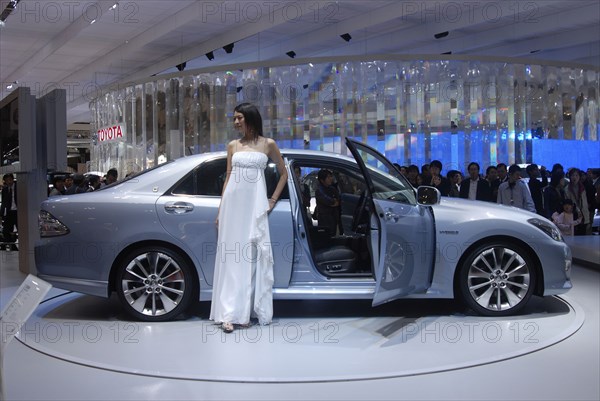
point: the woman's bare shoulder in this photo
(271, 142)
(232, 144)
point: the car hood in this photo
(458, 209)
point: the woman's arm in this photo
(275, 155)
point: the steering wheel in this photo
(359, 212)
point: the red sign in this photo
(113, 133)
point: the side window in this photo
(345, 179)
(210, 177)
(208, 180)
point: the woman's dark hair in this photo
(557, 167)
(252, 118)
(556, 177)
(580, 188)
(450, 174)
(570, 202)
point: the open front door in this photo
(405, 229)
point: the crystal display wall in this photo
(414, 111)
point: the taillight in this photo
(50, 226)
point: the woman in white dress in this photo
(243, 275)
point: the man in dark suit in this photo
(437, 180)
(475, 188)
(536, 187)
(328, 202)
(502, 173)
(8, 209)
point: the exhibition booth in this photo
(413, 109)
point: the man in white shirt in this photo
(514, 191)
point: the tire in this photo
(497, 279)
(155, 284)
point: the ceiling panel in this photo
(138, 39)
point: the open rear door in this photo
(406, 230)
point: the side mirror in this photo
(428, 196)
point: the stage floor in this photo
(82, 347)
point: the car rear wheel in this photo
(155, 284)
(497, 279)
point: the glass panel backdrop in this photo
(413, 111)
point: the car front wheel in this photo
(497, 279)
(154, 284)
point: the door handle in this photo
(389, 215)
(179, 207)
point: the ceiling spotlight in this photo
(441, 35)
(228, 48)
(210, 56)
(346, 37)
(10, 7)
(181, 66)
(291, 54)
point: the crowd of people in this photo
(79, 183)
(569, 199)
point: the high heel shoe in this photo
(227, 327)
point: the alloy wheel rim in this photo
(498, 279)
(153, 284)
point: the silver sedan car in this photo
(152, 239)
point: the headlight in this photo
(50, 226)
(547, 227)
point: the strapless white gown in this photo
(243, 276)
